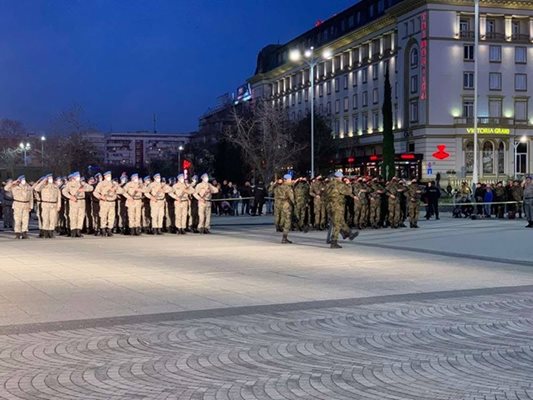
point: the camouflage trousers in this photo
(338, 223)
(300, 210)
(375, 212)
(413, 211)
(319, 208)
(286, 216)
(363, 215)
(394, 212)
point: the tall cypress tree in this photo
(388, 170)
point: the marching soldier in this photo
(413, 195)
(133, 192)
(156, 193)
(50, 196)
(22, 205)
(75, 191)
(107, 193)
(336, 193)
(287, 201)
(7, 206)
(319, 205)
(203, 193)
(180, 193)
(301, 208)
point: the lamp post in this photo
(475, 177)
(180, 149)
(25, 148)
(312, 60)
(43, 139)
(516, 143)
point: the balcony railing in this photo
(520, 37)
(494, 36)
(469, 35)
(486, 121)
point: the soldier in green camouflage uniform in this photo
(286, 204)
(274, 188)
(356, 187)
(413, 195)
(336, 192)
(376, 191)
(301, 196)
(319, 204)
(393, 194)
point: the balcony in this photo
(485, 121)
(520, 37)
(495, 36)
(467, 35)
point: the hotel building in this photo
(428, 48)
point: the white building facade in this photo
(427, 46)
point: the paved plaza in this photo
(443, 312)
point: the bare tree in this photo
(266, 139)
(10, 128)
(8, 159)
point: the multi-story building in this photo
(428, 48)
(139, 149)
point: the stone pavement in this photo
(443, 312)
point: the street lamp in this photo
(43, 139)
(25, 148)
(516, 143)
(180, 149)
(475, 177)
(312, 60)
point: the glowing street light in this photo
(180, 149)
(43, 139)
(312, 60)
(25, 148)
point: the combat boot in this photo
(415, 225)
(353, 235)
(335, 245)
(41, 233)
(25, 235)
(17, 236)
(285, 239)
(183, 231)
(109, 232)
(206, 231)
(158, 231)
(73, 233)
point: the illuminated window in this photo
(354, 101)
(346, 103)
(520, 110)
(520, 82)
(375, 96)
(346, 126)
(495, 108)
(337, 106)
(375, 120)
(468, 108)
(488, 158)
(345, 82)
(328, 87)
(364, 122)
(364, 99)
(337, 87)
(495, 54)
(375, 71)
(364, 75)
(520, 55)
(495, 81)
(354, 78)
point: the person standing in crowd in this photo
(7, 206)
(301, 197)
(180, 193)
(319, 204)
(259, 198)
(517, 195)
(133, 192)
(246, 193)
(75, 191)
(376, 191)
(107, 193)
(156, 193)
(37, 207)
(479, 195)
(488, 198)
(286, 205)
(413, 195)
(432, 194)
(335, 193)
(499, 197)
(204, 193)
(50, 196)
(528, 201)
(22, 205)
(122, 211)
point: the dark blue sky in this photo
(123, 60)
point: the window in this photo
(354, 101)
(337, 87)
(346, 126)
(495, 53)
(375, 96)
(495, 108)
(515, 27)
(364, 122)
(345, 80)
(520, 110)
(346, 103)
(469, 156)
(375, 71)
(354, 78)
(306, 95)
(299, 115)
(491, 26)
(468, 52)
(468, 108)
(520, 55)
(321, 108)
(328, 87)
(337, 106)
(328, 108)
(337, 127)
(495, 81)
(501, 158)
(293, 97)
(464, 26)
(364, 75)
(488, 158)
(414, 84)
(468, 80)
(413, 57)
(413, 111)
(355, 124)
(364, 99)
(299, 97)
(375, 120)
(520, 82)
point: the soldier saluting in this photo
(203, 193)
(107, 192)
(22, 205)
(75, 191)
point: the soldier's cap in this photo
(181, 176)
(97, 175)
(107, 173)
(394, 178)
(48, 176)
(124, 174)
(413, 180)
(287, 177)
(74, 175)
(21, 178)
(147, 178)
(204, 176)
(134, 176)
(194, 177)
(338, 174)
(375, 179)
(157, 176)
(360, 179)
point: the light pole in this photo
(475, 177)
(312, 60)
(25, 148)
(180, 149)
(516, 143)
(43, 139)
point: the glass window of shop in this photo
(488, 158)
